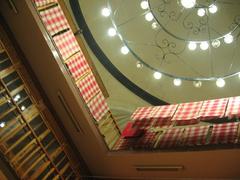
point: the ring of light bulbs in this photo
(192, 45)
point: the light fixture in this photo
(155, 25)
(23, 108)
(197, 84)
(149, 16)
(112, 32)
(144, 4)
(157, 75)
(194, 36)
(220, 82)
(188, 3)
(192, 46)
(228, 39)
(177, 82)
(106, 12)
(213, 8)
(204, 45)
(124, 50)
(216, 43)
(201, 12)
(239, 75)
(139, 64)
(17, 97)
(2, 124)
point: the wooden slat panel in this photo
(28, 157)
(17, 90)
(56, 152)
(40, 170)
(30, 113)
(18, 142)
(6, 112)
(44, 134)
(12, 133)
(23, 151)
(48, 174)
(33, 165)
(12, 81)
(64, 168)
(7, 71)
(69, 175)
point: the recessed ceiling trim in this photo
(77, 12)
(159, 167)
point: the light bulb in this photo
(106, 12)
(124, 50)
(192, 46)
(220, 82)
(144, 5)
(216, 43)
(149, 16)
(228, 39)
(155, 25)
(212, 8)
(197, 84)
(204, 45)
(139, 64)
(188, 3)
(157, 75)
(201, 12)
(112, 32)
(177, 82)
(23, 108)
(2, 124)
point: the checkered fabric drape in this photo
(78, 66)
(54, 20)
(142, 117)
(40, 3)
(212, 109)
(98, 106)
(66, 44)
(187, 113)
(157, 116)
(170, 138)
(195, 135)
(88, 87)
(224, 133)
(147, 141)
(233, 108)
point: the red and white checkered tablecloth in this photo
(66, 44)
(88, 87)
(224, 133)
(78, 65)
(162, 115)
(142, 117)
(54, 20)
(98, 106)
(162, 112)
(43, 2)
(233, 107)
(157, 116)
(187, 113)
(142, 113)
(124, 144)
(212, 109)
(147, 141)
(170, 138)
(195, 135)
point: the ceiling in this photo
(162, 50)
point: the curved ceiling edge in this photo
(77, 12)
